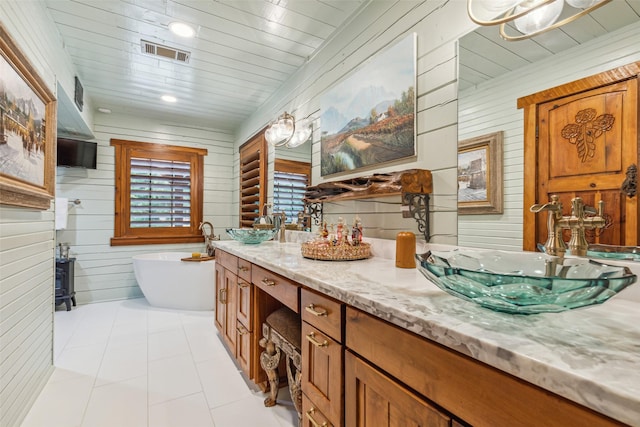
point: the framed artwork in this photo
(369, 117)
(480, 175)
(27, 131)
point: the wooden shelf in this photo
(414, 185)
(415, 181)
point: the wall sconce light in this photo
(285, 130)
(530, 17)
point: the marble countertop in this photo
(589, 355)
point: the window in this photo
(290, 181)
(253, 176)
(158, 193)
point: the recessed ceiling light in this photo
(181, 29)
(168, 98)
(104, 110)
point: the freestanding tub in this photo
(170, 283)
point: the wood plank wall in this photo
(27, 239)
(491, 107)
(106, 273)
(379, 25)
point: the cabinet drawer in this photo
(228, 261)
(322, 379)
(244, 269)
(322, 312)
(311, 416)
(281, 288)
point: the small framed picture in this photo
(480, 175)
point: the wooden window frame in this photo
(126, 235)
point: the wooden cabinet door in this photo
(244, 303)
(322, 380)
(586, 143)
(221, 302)
(373, 399)
(244, 340)
(229, 331)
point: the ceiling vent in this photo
(156, 49)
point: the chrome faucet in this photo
(283, 218)
(208, 238)
(578, 222)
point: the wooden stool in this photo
(282, 334)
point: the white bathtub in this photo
(170, 283)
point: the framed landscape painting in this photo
(369, 117)
(480, 175)
(27, 131)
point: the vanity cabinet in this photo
(412, 371)
(234, 308)
(322, 357)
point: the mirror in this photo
(289, 185)
(494, 73)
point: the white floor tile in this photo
(122, 362)
(90, 335)
(79, 361)
(222, 383)
(61, 403)
(171, 378)
(238, 414)
(191, 411)
(168, 343)
(203, 344)
(147, 367)
(161, 319)
(122, 404)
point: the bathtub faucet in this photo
(208, 238)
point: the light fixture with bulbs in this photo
(168, 98)
(287, 131)
(530, 17)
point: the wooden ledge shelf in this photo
(414, 185)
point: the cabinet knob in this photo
(222, 296)
(316, 311)
(243, 284)
(243, 268)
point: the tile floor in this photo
(127, 364)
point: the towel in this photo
(62, 212)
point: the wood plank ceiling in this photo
(485, 55)
(243, 51)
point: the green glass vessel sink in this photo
(251, 236)
(630, 253)
(621, 253)
(523, 282)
